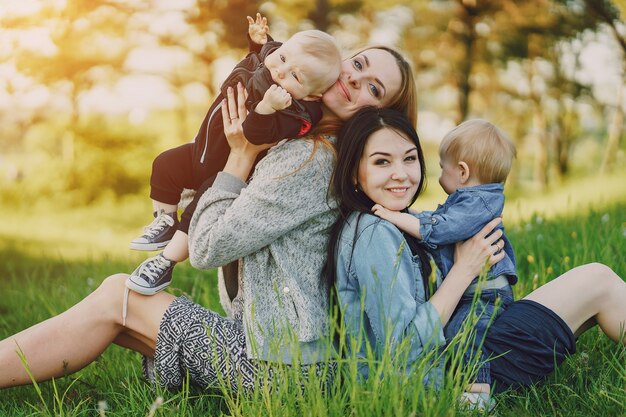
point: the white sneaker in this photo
(153, 275)
(157, 234)
(477, 401)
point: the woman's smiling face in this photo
(389, 169)
(371, 78)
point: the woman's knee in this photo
(600, 281)
(112, 288)
(113, 282)
(603, 275)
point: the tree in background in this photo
(93, 46)
(609, 14)
(513, 62)
(506, 54)
(81, 50)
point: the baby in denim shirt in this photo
(475, 159)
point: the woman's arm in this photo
(471, 257)
(242, 153)
(234, 220)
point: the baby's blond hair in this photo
(485, 148)
(323, 47)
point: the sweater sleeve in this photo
(233, 220)
(456, 221)
(388, 288)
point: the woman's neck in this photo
(328, 116)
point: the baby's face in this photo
(449, 178)
(295, 70)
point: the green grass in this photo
(46, 228)
(591, 383)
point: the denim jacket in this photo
(462, 215)
(381, 293)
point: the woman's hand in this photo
(480, 251)
(470, 257)
(242, 153)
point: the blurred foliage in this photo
(517, 63)
(111, 160)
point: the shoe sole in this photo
(143, 290)
(148, 247)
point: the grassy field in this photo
(41, 276)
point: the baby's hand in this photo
(275, 98)
(258, 29)
(403, 221)
(383, 213)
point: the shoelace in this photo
(155, 268)
(158, 224)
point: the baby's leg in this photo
(171, 173)
(478, 388)
(185, 218)
(491, 304)
(177, 249)
(158, 206)
(478, 393)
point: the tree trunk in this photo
(616, 127)
(319, 15)
(541, 154)
(566, 120)
(539, 128)
(67, 147)
(468, 41)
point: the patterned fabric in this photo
(211, 349)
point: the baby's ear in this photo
(312, 97)
(464, 172)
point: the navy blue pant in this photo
(485, 312)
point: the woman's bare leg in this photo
(130, 342)
(68, 342)
(587, 295)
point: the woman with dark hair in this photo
(381, 274)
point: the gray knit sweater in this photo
(278, 226)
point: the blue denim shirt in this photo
(381, 293)
(463, 214)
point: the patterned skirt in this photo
(199, 344)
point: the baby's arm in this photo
(275, 98)
(463, 216)
(258, 29)
(269, 128)
(403, 221)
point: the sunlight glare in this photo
(37, 40)
(20, 8)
